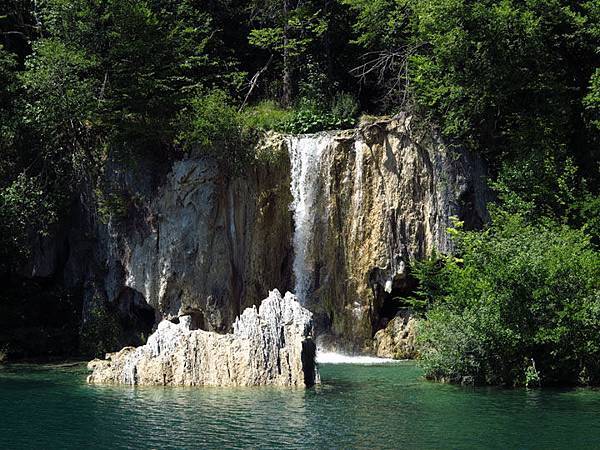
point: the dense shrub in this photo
(212, 126)
(311, 117)
(522, 301)
(266, 115)
(23, 205)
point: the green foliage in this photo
(432, 282)
(505, 77)
(147, 56)
(514, 81)
(299, 28)
(298, 38)
(344, 107)
(268, 38)
(379, 23)
(266, 115)
(8, 122)
(588, 209)
(212, 126)
(111, 205)
(532, 376)
(24, 207)
(519, 293)
(309, 117)
(383, 30)
(61, 106)
(294, 33)
(313, 85)
(592, 100)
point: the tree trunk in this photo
(286, 97)
(327, 45)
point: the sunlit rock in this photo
(269, 346)
(368, 202)
(398, 339)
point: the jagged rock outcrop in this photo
(398, 339)
(269, 346)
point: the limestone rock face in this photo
(204, 243)
(366, 203)
(269, 346)
(397, 339)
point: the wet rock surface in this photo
(366, 203)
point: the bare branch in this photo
(254, 81)
(389, 68)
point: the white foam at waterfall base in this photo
(339, 358)
(305, 155)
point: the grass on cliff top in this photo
(266, 115)
(211, 125)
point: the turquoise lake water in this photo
(390, 406)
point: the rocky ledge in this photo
(398, 339)
(269, 346)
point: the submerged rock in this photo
(269, 346)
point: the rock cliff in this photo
(366, 203)
(398, 339)
(269, 346)
(335, 217)
(213, 245)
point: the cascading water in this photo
(357, 197)
(306, 154)
(309, 183)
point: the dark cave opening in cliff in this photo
(390, 304)
(138, 318)
(197, 320)
(194, 319)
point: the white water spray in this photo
(338, 358)
(305, 154)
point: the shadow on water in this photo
(356, 406)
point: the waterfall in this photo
(306, 154)
(357, 196)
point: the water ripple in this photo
(376, 406)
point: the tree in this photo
(288, 30)
(383, 32)
(102, 80)
(521, 298)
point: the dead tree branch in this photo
(254, 81)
